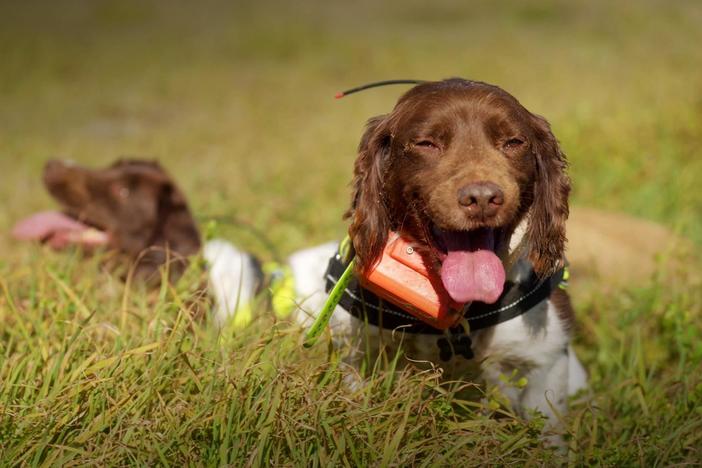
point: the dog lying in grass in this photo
(477, 185)
(132, 207)
(135, 209)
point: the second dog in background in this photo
(132, 206)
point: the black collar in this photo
(523, 291)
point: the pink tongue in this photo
(58, 230)
(42, 225)
(471, 271)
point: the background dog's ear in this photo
(177, 228)
(133, 217)
(171, 198)
(174, 238)
(547, 220)
(370, 220)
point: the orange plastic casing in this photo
(401, 278)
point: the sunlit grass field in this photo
(236, 100)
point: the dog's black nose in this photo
(481, 198)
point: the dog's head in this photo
(137, 205)
(456, 167)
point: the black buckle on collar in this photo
(455, 345)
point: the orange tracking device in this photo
(401, 278)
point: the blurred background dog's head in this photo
(132, 206)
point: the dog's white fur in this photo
(534, 346)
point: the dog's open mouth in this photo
(470, 268)
(59, 230)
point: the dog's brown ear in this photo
(370, 220)
(546, 231)
(175, 236)
(133, 224)
(171, 198)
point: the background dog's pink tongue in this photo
(471, 271)
(58, 230)
(41, 225)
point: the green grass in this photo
(235, 98)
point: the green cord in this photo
(325, 314)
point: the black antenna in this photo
(376, 84)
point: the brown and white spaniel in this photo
(476, 183)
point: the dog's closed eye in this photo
(426, 144)
(513, 144)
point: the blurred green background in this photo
(236, 98)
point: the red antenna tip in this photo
(339, 95)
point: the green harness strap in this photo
(335, 295)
